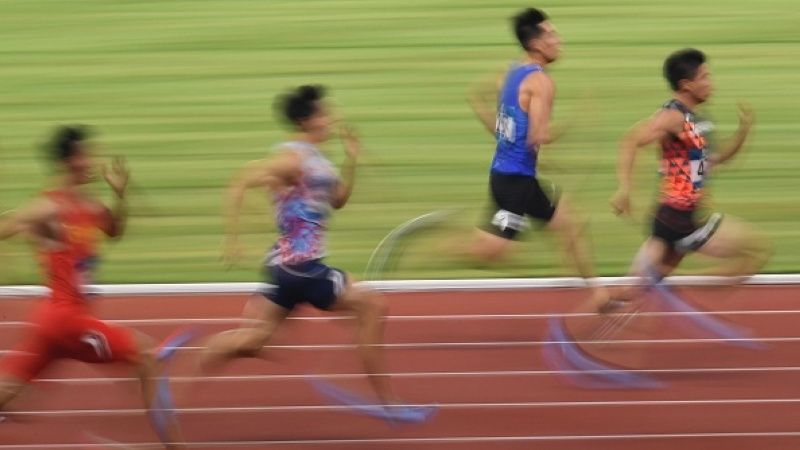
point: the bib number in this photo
(505, 127)
(698, 170)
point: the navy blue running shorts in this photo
(311, 281)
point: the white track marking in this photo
(506, 344)
(486, 373)
(492, 284)
(437, 440)
(433, 317)
(499, 405)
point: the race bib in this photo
(505, 127)
(698, 170)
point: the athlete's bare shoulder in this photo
(667, 120)
(539, 82)
(538, 85)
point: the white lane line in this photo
(433, 317)
(502, 344)
(491, 285)
(496, 344)
(500, 405)
(434, 440)
(467, 374)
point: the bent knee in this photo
(377, 304)
(367, 301)
(759, 254)
(364, 302)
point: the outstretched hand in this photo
(117, 175)
(350, 140)
(747, 115)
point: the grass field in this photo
(184, 89)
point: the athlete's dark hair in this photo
(65, 140)
(526, 25)
(299, 104)
(682, 65)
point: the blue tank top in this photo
(302, 211)
(512, 155)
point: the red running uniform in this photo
(62, 326)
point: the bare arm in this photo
(540, 107)
(275, 173)
(26, 219)
(482, 98)
(117, 176)
(352, 148)
(732, 146)
(659, 126)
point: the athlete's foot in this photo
(405, 413)
(393, 412)
(396, 411)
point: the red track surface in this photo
(476, 354)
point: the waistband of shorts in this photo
(308, 268)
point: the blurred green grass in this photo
(184, 89)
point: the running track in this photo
(476, 354)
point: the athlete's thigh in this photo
(354, 298)
(730, 239)
(261, 308)
(264, 314)
(563, 215)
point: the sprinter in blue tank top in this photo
(516, 110)
(304, 188)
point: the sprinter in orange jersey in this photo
(66, 224)
(681, 222)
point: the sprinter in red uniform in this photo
(65, 223)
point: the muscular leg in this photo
(571, 231)
(370, 308)
(487, 248)
(263, 317)
(742, 250)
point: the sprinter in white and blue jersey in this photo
(305, 188)
(516, 110)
